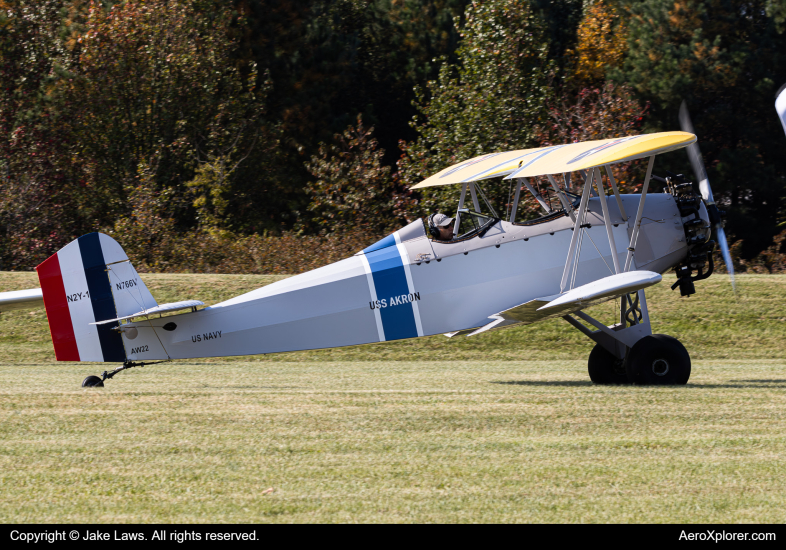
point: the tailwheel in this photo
(92, 382)
(658, 360)
(605, 368)
(96, 382)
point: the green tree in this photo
(777, 10)
(726, 58)
(38, 196)
(330, 60)
(353, 190)
(156, 83)
(491, 100)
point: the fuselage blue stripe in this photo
(393, 296)
(101, 297)
(390, 240)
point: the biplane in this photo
(592, 244)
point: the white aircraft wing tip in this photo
(21, 299)
(608, 287)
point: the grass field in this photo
(505, 427)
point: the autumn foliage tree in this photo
(598, 113)
(490, 100)
(156, 83)
(601, 43)
(353, 190)
(37, 207)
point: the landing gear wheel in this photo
(605, 368)
(658, 360)
(92, 382)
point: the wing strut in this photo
(537, 196)
(474, 193)
(565, 204)
(457, 224)
(486, 200)
(607, 219)
(576, 230)
(613, 184)
(637, 224)
(515, 201)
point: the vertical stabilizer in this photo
(89, 280)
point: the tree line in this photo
(250, 135)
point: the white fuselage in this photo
(413, 287)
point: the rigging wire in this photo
(599, 254)
(510, 197)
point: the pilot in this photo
(440, 227)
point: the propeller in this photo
(706, 192)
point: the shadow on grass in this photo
(569, 383)
(249, 387)
(575, 383)
(738, 384)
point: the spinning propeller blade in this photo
(700, 173)
(694, 155)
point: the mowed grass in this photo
(458, 441)
(500, 428)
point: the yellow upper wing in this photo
(557, 159)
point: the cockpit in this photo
(477, 220)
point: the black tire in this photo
(92, 382)
(604, 368)
(658, 360)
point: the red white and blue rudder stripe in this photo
(77, 291)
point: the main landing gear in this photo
(628, 352)
(657, 359)
(93, 381)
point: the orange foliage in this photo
(601, 42)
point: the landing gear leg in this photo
(96, 382)
(628, 352)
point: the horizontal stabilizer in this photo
(577, 299)
(21, 299)
(175, 306)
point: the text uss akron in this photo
(395, 300)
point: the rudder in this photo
(89, 280)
